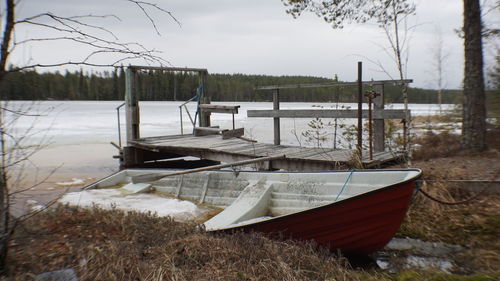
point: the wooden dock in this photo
(211, 144)
(215, 148)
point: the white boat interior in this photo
(248, 195)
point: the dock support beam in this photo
(131, 157)
(378, 124)
(360, 110)
(276, 106)
(204, 117)
(132, 105)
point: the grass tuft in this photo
(112, 245)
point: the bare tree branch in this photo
(80, 30)
(142, 4)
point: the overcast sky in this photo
(258, 37)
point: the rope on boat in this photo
(345, 184)
(419, 188)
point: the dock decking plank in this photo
(214, 145)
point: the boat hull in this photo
(359, 225)
(357, 212)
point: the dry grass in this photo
(474, 225)
(110, 245)
(447, 117)
(445, 144)
(433, 145)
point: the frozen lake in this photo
(78, 133)
(80, 122)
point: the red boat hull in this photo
(359, 225)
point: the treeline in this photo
(181, 86)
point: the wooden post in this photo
(378, 124)
(175, 86)
(360, 109)
(204, 119)
(276, 106)
(205, 115)
(370, 96)
(132, 105)
(131, 156)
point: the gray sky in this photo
(258, 37)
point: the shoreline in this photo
(58, 169)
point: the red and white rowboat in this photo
(357, 212)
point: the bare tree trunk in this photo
(474, 105)
(4, 204)
(79, 29)
(440, 56)
(404, 88)
(6, 37)
(5, 230)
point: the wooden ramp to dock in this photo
(213, 147)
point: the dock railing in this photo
(183, 105)
(378, 114)
(119, 126)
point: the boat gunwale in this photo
(312, 209)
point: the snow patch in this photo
(33, 205)
(115, 199)
(74, 181)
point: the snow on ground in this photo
(74, 181)
(114, 198)
(34, 205)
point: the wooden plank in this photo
(192, 138)
(161, 138)
(213, 147)
(313, 154)
(214, 108)
(228, 144)
(205, 189)
(154, 177)
(339, 156)
(255, 150)
(330, 156)
(237, 148)
(204, 131)
(189, 69)
(334, 84)
(325, 113)
(228, 134)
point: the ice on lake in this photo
(85, 128)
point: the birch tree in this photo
(384, 12)
(390, 15)
(438, 62)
